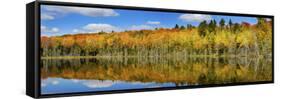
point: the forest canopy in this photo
(209, 38)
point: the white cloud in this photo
(75, 80)
(92, 12)
(194, 17)
(153, 22)
(99, 84)
(140, 27)
(45, 29)
(55, 82)
(46, 16)
(100, 27)
(77, 31)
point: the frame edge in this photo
(31, 71)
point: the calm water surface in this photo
(117, 73)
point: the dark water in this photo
(117, 73)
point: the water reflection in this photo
(117, 73)
(60, 85)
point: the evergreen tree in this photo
(222, 23)
(182, 27)
(236, 28)
(215, 24)
(212, 26)
(189, 26)
(230, 23)
(176, 27)
(202, 28)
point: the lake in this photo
(119, 73)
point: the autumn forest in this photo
(208, 39)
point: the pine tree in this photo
(202, 28)
(189, 26)
(222, 23)
(236, 28)
(212, 26)
(182, 27)
(215, 24)
(176, 27)
(230, 23)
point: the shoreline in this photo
(189, 56)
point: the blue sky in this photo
(60, 20)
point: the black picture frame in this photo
(33, 44)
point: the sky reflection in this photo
(60, 85)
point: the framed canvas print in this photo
(83, 49)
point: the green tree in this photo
(236, 28)
(212, 26)
(230, 24)
(189, 26)
(176, 27)
(202, 28)
(222, 23)
(182, 27)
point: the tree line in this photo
(209, 38)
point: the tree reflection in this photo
(178, 70)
